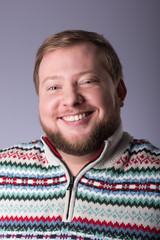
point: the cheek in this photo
(102, 100)
(46, 107)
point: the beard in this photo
(101, 131)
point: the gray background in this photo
(133, 28)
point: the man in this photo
(86, 178)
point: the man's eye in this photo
(92, 81)
(88, 82)
(53, 88)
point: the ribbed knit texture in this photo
(117, 198)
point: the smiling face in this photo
(78, 103)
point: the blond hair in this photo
(73, 37)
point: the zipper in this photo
(72, 178)
(69, 188)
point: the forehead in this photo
(87, 50)
(89, 46)
(82, 55)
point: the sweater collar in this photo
(108, 146)
(112, 141)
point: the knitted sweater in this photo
(115, 196)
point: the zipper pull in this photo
(70, 186)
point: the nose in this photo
(72, 97)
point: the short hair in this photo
(72, 37)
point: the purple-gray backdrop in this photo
(131, 26)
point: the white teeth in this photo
(74, 118)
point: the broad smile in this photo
(75, 117)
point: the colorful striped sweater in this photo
(115, 196)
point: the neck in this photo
(76, 163)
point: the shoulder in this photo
(32, 145)
(142, 145)
(31, 152)
(142, 153)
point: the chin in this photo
(91, 139)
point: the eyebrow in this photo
(76, 74)
(87, 72)
(50, 78)
(90, 71)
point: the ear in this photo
(121, 92)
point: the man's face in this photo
(78, 102)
